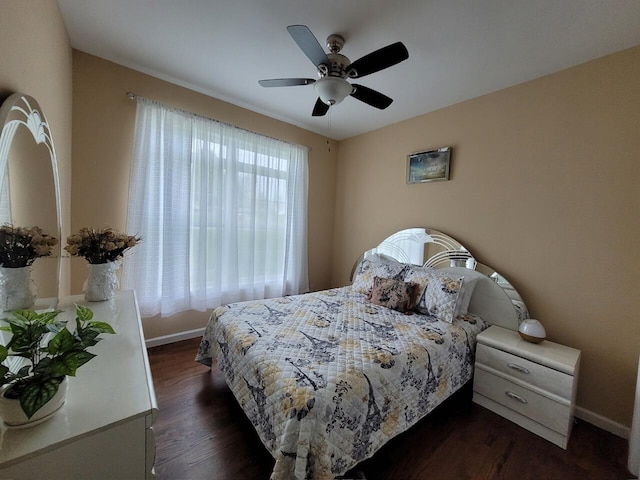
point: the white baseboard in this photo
(602, 422)
(174, 337)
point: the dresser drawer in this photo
(532, 373)
(537, 407)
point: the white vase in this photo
(17, 288)
(13, 415)
(102, 282)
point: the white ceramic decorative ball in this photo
(532, 331)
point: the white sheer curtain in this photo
(221, 211)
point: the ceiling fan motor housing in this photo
(339, 64)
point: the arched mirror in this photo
(29, 186)
(431, 248)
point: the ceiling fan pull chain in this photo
(329, 120)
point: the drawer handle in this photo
(518, 368)
(515, 396)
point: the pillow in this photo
(371, 268)
(394, 294)
(468, 286)
(382, 258)
(521, 310)
(471, 278)
(438, 292)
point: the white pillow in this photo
(468, 286)
(471, 278)
(438, 292)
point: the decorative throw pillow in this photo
(438, 292)
(471, 278)
(371, 268)
(392, 293)
(468, 286)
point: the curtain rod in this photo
(134, 96)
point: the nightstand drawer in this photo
(539, 376)
(523, 401)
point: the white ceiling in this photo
(458, 49)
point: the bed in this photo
(327, 378)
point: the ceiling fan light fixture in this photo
(332, 90)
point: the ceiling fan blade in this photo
(309, 44)
(286, 82)
(370, 97)
(378, 60)
(320, 108)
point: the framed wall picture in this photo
(428, 166)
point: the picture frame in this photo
(429, 166)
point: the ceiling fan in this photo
(334, 68)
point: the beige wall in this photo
(543, 184)
(544, 188)
(102, 142)
(35, 58)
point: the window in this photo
(222, 213)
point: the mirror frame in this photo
(23, 110)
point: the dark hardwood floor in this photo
(202, 433)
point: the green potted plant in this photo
(52, 352)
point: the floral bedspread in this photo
(327, 378)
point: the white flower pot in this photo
(102, 282)
(13, 416)
(17, 288)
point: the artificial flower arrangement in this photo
(100, 246)
(21, 246)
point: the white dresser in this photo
(533, 385)
(104, 429)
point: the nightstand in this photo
(533, 385)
